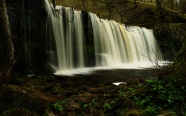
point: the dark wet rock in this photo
(133, 112)
(108, 84)
(71, 105)
(123, 86)
(84, 97)
(132, 81)
(124, 102)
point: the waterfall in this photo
(114, 45)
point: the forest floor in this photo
(52, 95)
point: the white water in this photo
(114, 45)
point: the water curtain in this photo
(84, 40)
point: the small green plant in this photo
(107, 106)
(151, 110)
(94, 103)
(58, 106)
(122, 93)
(84, 105)
(142, 102)
(132, 90)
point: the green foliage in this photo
(58, 106)
(152, 109)
(166, 97)
(132, 90)
(84, 105)
(122, 93)
(94, 103)
(129, 90)
(142, 102)
(107, 106)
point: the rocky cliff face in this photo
(27, 20)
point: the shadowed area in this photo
(109, 76)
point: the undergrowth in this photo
(157, 98)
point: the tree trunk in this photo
(172, 4)
(158, 3)
(6, 46)
(135, 4)
(84, 5)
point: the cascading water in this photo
(113, 45)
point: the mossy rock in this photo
(132, 112)
(124, 102)
(132, 81)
